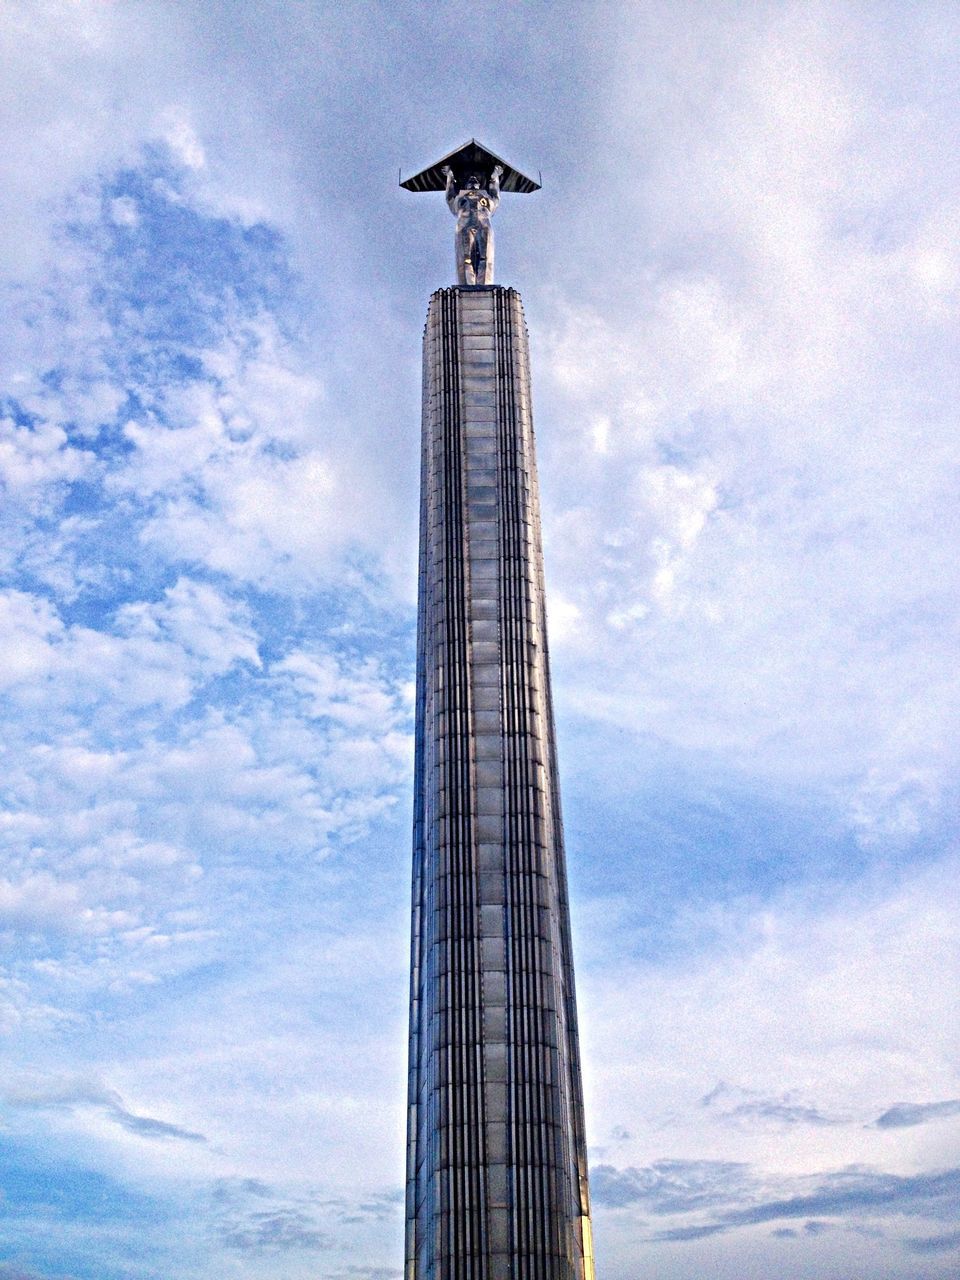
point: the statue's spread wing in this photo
(471, 158)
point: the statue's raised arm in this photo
(451, 188)
(493, 187)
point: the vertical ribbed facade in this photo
(497, 1175)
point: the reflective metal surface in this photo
(472, 178)
(472, 205)
(497, 1171)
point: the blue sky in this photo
(742, 281)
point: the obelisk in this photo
(497, 1172)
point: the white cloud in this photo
(124, 212)
(27, 625)
(72, 1094)
(42, 902)
(33, 457)
(80, 72)
(214, 631)
(238, 481)
(162, 653)
(804, 1011)
(358, 699)
(127, 832)
(762, 552)
(178, 132)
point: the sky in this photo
(742, 283)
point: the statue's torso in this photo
(473, 208)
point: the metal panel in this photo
(497, 1159)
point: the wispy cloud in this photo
(731, 1196)
(367, 1273)
(930, 1195)
(945, 1243)
(906, 1114)
(256, 1218)
(670, 1186)
(745, 1105)
(70, 1095)
(274, 1231)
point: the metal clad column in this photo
(497, 1158)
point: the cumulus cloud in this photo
(35, 456)
(235, 474)
(164, 344)
(43, 902)
(125, 842)
(198, 619)
(178, 131)
(356, 700)
(155, 655)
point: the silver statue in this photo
(472, 206)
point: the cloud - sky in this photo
(742, 280)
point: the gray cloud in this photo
(815, 1228)
(784, 1113)
(669, 1186)
(379, 1207)
(933, 1244)
(245, 1224)
(292, 1221)
(229, 1190)
(933, 1195)
(62, 1095)
(676, 1234)
(148, 1127)
(743, 1104)
(905, 1114)
(274, 1230)
(367, 1273)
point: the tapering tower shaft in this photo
(497, 1177)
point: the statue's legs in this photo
(483, 255)
(475, 255)
(485, 265)
(466, 255)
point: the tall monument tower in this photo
(497, 1171)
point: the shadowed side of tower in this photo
(497, 1178)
